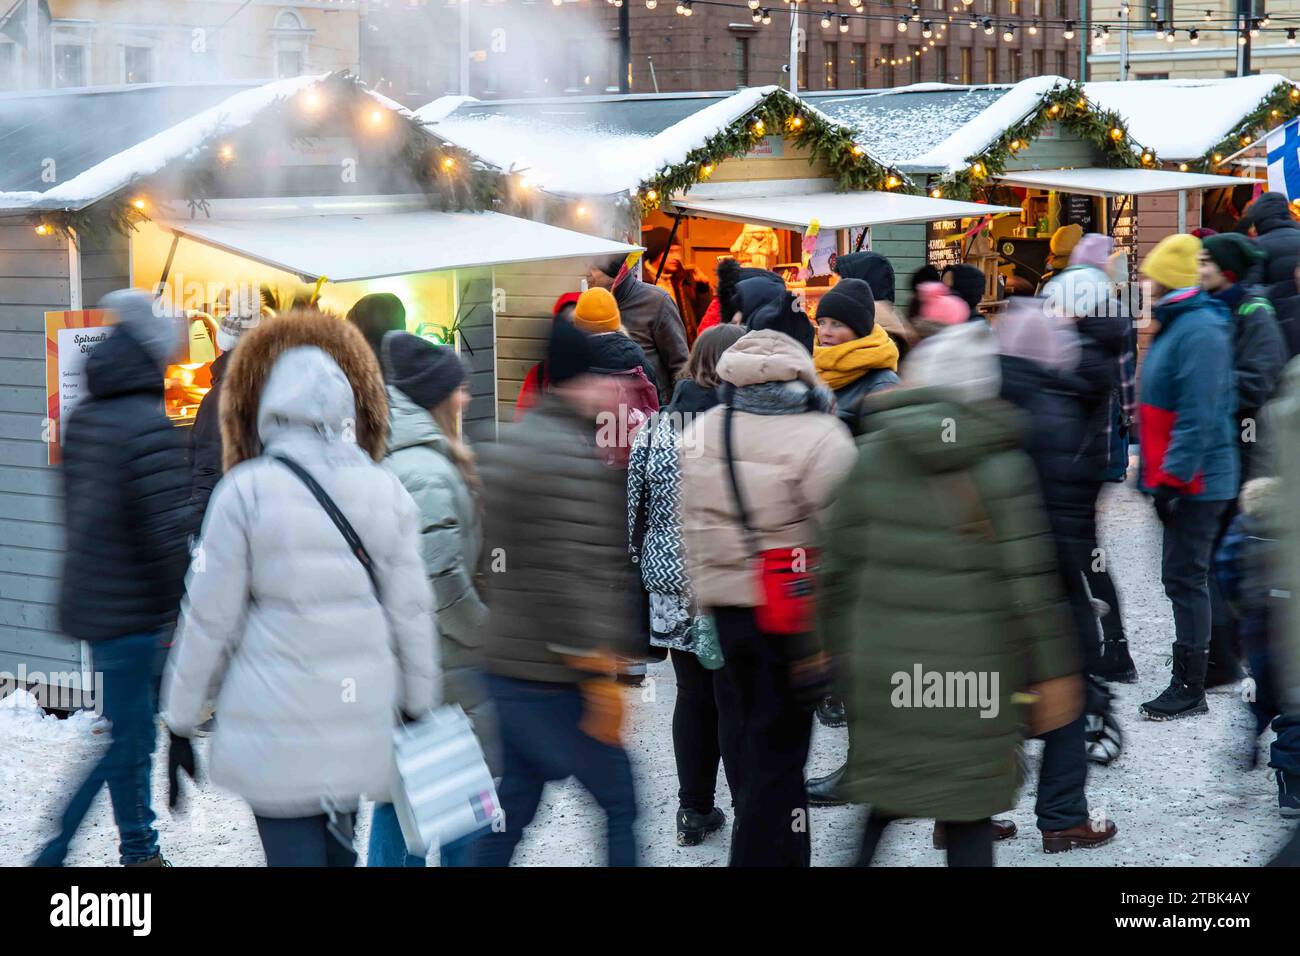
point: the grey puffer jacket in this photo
(281, 625)
(450, 530)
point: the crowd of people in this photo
(885, 518)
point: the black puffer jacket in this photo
(1101, 340)
(205, 447)
(1277, 234)
(126, 491)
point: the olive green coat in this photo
(938, 557)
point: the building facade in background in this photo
(1205, 38)
(411, 51)
(110, 42)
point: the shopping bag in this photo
(443, 789)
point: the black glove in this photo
(180, 756)
(1167, 500)
(810, 680)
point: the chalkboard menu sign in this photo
(938, 253)
(1079, 210)
(1124, 231)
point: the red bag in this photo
(787, 577)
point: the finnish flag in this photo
(1284, 159)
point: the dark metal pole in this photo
(671, 236)
(1243, 23)
(625, 47)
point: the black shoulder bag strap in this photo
(641, 522)
(345, 528)
(727, 420)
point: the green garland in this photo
(1281, 105)
(97, 222)
(778, 113)
(1103, 129)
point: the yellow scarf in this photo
(843, 364)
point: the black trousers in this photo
(765, 736)
(970, 843)
(1190, 528)
(696, 745)
(303, 841)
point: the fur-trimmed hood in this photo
(251, 364)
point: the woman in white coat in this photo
(308, 662)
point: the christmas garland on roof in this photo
(1103, 129)
(1281, 105)
(852, 167)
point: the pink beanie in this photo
(940, 306)
(1092, 250)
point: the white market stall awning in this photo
(833, 210)
(1118, 182)
(373, 241)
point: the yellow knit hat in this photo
(1065, 239)
(596, 312)
(1174, 262)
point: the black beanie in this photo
(782, 314)
(1236, 255)
(968, 283)
(425, 373)
(376, 315)
(850, 301)
(569, 353)
(872, 268)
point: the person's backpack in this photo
(636, 403)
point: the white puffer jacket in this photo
(280, 625)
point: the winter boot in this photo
(693, 826)
(1089, 834)
(155, 860)
(1288, 794)
(830, 711)
(1115, 663)
(1002, 830)
(826, 791)
(1104, 739)
(1185, 695)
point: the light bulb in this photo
(926, 30)
(902, 24)
(1033, 29)
(826, 21)
(1069, 30)
(1194, 36)
(844, 23)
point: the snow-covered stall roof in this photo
(794, 204)
(933, 126)
(589, 145)
(345, 239)
(1117, 182)
(149, 155)
(1183, 119)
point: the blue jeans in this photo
(303, 841)
(387, 846)
(540, 742)
(129, 703)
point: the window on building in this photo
(1062, 63)
(914, 75)
(803, 68)
(831, 66)
(1063, 8)
(1038, 8)
(1154, 76)
(1017, 65)
(71, 63)
(1155, 10)
(991, 65)
(886, 64)
(966, 57)
(137, 64)
(858, 65)
(289, 39)
(1040, 66)
(941, 64)
(740, 57)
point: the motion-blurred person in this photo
(205, 453)
(1061, 248)
(427, 393)
(761, 472)
(689, 288)
(1188, 452)
(922, 275)
(376, 315)
(967, 283)
(878, 272)
(938, 555)
(1248, 570)
(855, 357)
(125, 488)
(597, 314)
(1283, 416)
(555, 522)
(311, 642)
(1285, 296)
(1277, 233)
(649, 315)
(725, 307)
(655, 533)
(536, 382)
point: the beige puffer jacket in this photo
(788, 466)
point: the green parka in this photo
(938, 559)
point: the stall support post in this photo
(167, 267)
(1182, 210)
(677, 221)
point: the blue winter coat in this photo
(1188, 400)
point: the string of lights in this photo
(832, 17)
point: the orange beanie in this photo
(596, 312)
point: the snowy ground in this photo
(1178, 793)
